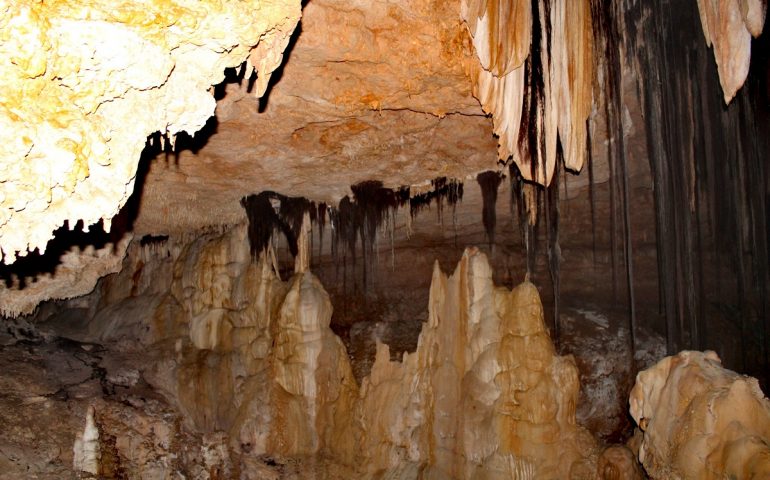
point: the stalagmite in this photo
(86, 450)
(700, 420)
(302, 260)
(484, 395)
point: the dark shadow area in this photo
(278, 72)
(193, 143)
(35, 264)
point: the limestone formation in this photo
(87, 451)
(566, 59)
(484, 395)
(83, 84)
(251, 359)
(728, 25)
(76, 273)
(700, 420)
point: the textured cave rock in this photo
(250, 360)
(700, 420)
(381, 96)
(74, 273)
(191, 343)
(85, 83)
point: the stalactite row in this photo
(355, 221)
(710, 178)
(270, 212)
(535, 76)
(441, 188)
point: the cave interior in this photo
(512, 212)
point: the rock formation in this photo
(75, 272)
(251, 358)
(548, 96)
(484, 395)
(83, 85)
(701, 420)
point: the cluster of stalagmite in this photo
(505, 80)
(84, 83)
(484, 395)
(700, 420)
(250, 357)
(728, 25)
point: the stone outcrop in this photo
(83, 84)
(700, 420)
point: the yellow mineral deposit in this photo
(83, 84)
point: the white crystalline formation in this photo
(83, 84)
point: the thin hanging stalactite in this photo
(591, 193)
(710, 180)
(489, 182)
(606, 31)
(554, 249)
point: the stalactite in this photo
(372, 207)
(489, 182)
(554, 249)
(547, 95)
(269, 212)
(608, 41)
(450, 190)
(591, 194)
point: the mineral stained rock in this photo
(83, 84)
(700, 420)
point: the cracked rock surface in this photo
(381, 95)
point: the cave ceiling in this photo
(368, 90)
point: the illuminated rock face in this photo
(83, 84)
(700, 420)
